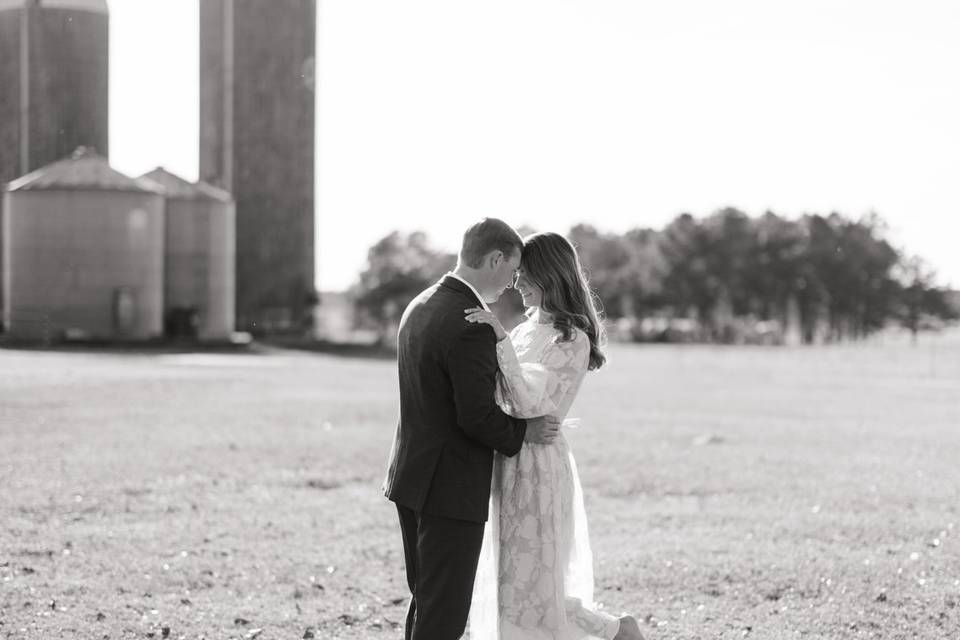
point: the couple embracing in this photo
(490, 506)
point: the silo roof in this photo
(96, 6)
(175, 187)
(84, 170)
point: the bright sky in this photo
(620, 113)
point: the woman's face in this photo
(531, 293)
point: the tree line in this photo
(726, 277)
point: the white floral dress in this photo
(535, 576)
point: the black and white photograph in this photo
(502, 320)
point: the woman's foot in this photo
(629, 629)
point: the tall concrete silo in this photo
(257, 142)
(54, 80)
(199, 263)
(83, 253)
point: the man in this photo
(442, 458)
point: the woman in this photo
(535, 577)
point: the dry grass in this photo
(733, 492)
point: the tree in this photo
(607, 259)
(689, 284)
(920, 299)
(645, 273)
(774, 270)
(852, 265)
(729, 235)
(399, 266)
(838, 277)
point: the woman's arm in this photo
(534, 389)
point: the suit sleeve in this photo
(472, 363)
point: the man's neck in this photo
(465, 274)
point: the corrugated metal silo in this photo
(83, 252)
(54, 80)
(199, 254)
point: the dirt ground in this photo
(732, 492)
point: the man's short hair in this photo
(490, 234)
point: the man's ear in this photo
(496, 258)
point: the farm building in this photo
(83, 253)
(199, 249)
(54, 83)
(257, 133)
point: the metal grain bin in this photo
(54, 81)
(83, 252)
(199, 262)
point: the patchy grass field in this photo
(732, 492)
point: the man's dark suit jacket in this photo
(442, 457)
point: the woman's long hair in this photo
(551, 262)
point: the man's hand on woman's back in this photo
(542, 430)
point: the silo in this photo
(257, 130)
(54, 77)
(83, 253)
(198, 258)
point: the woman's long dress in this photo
(535, 576)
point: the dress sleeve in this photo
(531, 389)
